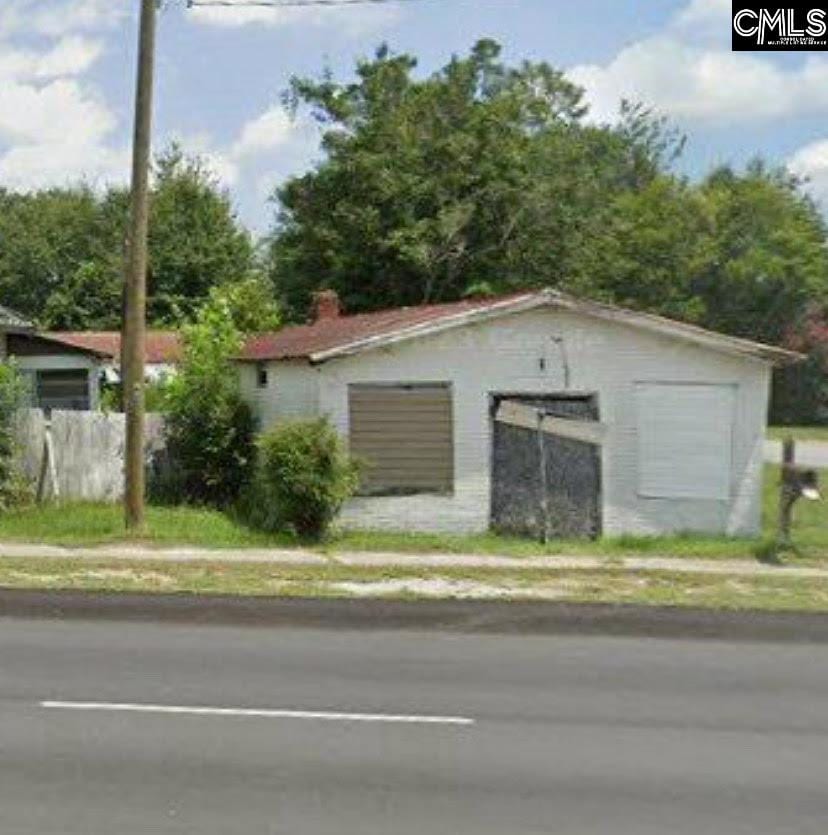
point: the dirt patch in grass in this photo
(610, 585)
(455, 589)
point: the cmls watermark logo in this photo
(759, 27)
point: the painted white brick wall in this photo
(292, 392)
(504, 355)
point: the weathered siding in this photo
(88, 451)
(547, 352)
(33, 355)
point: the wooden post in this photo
(544, 482)
(48, 467)
(134, 324)
(786, 496)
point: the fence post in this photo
(48, 466)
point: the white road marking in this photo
(322, 716)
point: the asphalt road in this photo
(808, 453)
(447, 734)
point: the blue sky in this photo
(67, 67)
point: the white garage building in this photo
(534, 412)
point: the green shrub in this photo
(303, 477)
(13, 396)
(155, 396)
(210, 429)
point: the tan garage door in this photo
(404, 435)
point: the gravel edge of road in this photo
(453, 616)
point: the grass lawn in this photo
(772, 593)
(99, 524)
(799, 433)
(93, 524)
(89, 524)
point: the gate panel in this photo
(560, 499)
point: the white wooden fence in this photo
(79, 456)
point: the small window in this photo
(404, 436)
(685, 438)
(261, 375)
(62, 389)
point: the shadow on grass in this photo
(773, 552)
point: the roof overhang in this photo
(677, 330)
(518, 304)
(659, 325)
(66, 344)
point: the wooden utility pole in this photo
(787, 494)
(134, 322)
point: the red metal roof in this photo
(337, 336)
(303, 341)
(163, 347)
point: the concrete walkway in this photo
(293, 557)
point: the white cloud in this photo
(271, 134)
(272, 130)
(54, 134)
(219, 162)
(71, 56)
(228, 16)
(682, 73)
(710, 16)
(54, 127)
(352, 19)
(55, 19)
(811, 162)
(58, 111)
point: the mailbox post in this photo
(796, 483)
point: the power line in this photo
(282, 4)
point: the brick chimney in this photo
(326, 305)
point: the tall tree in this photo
(60, 246)
(649, 250)
(196, 241)
(769, 258)
(479, 175)
(743, 253)
(61, 250)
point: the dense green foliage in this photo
(60, 256)
(800, 393)
(251, 303)
(744, 254)
(155, 396)
(479, 175)
(13, 396)
(195, 241)
(61, 250)
(209, 426)
(303, 477)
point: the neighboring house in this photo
(164, 350)
(533, 412)
(61, 376)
